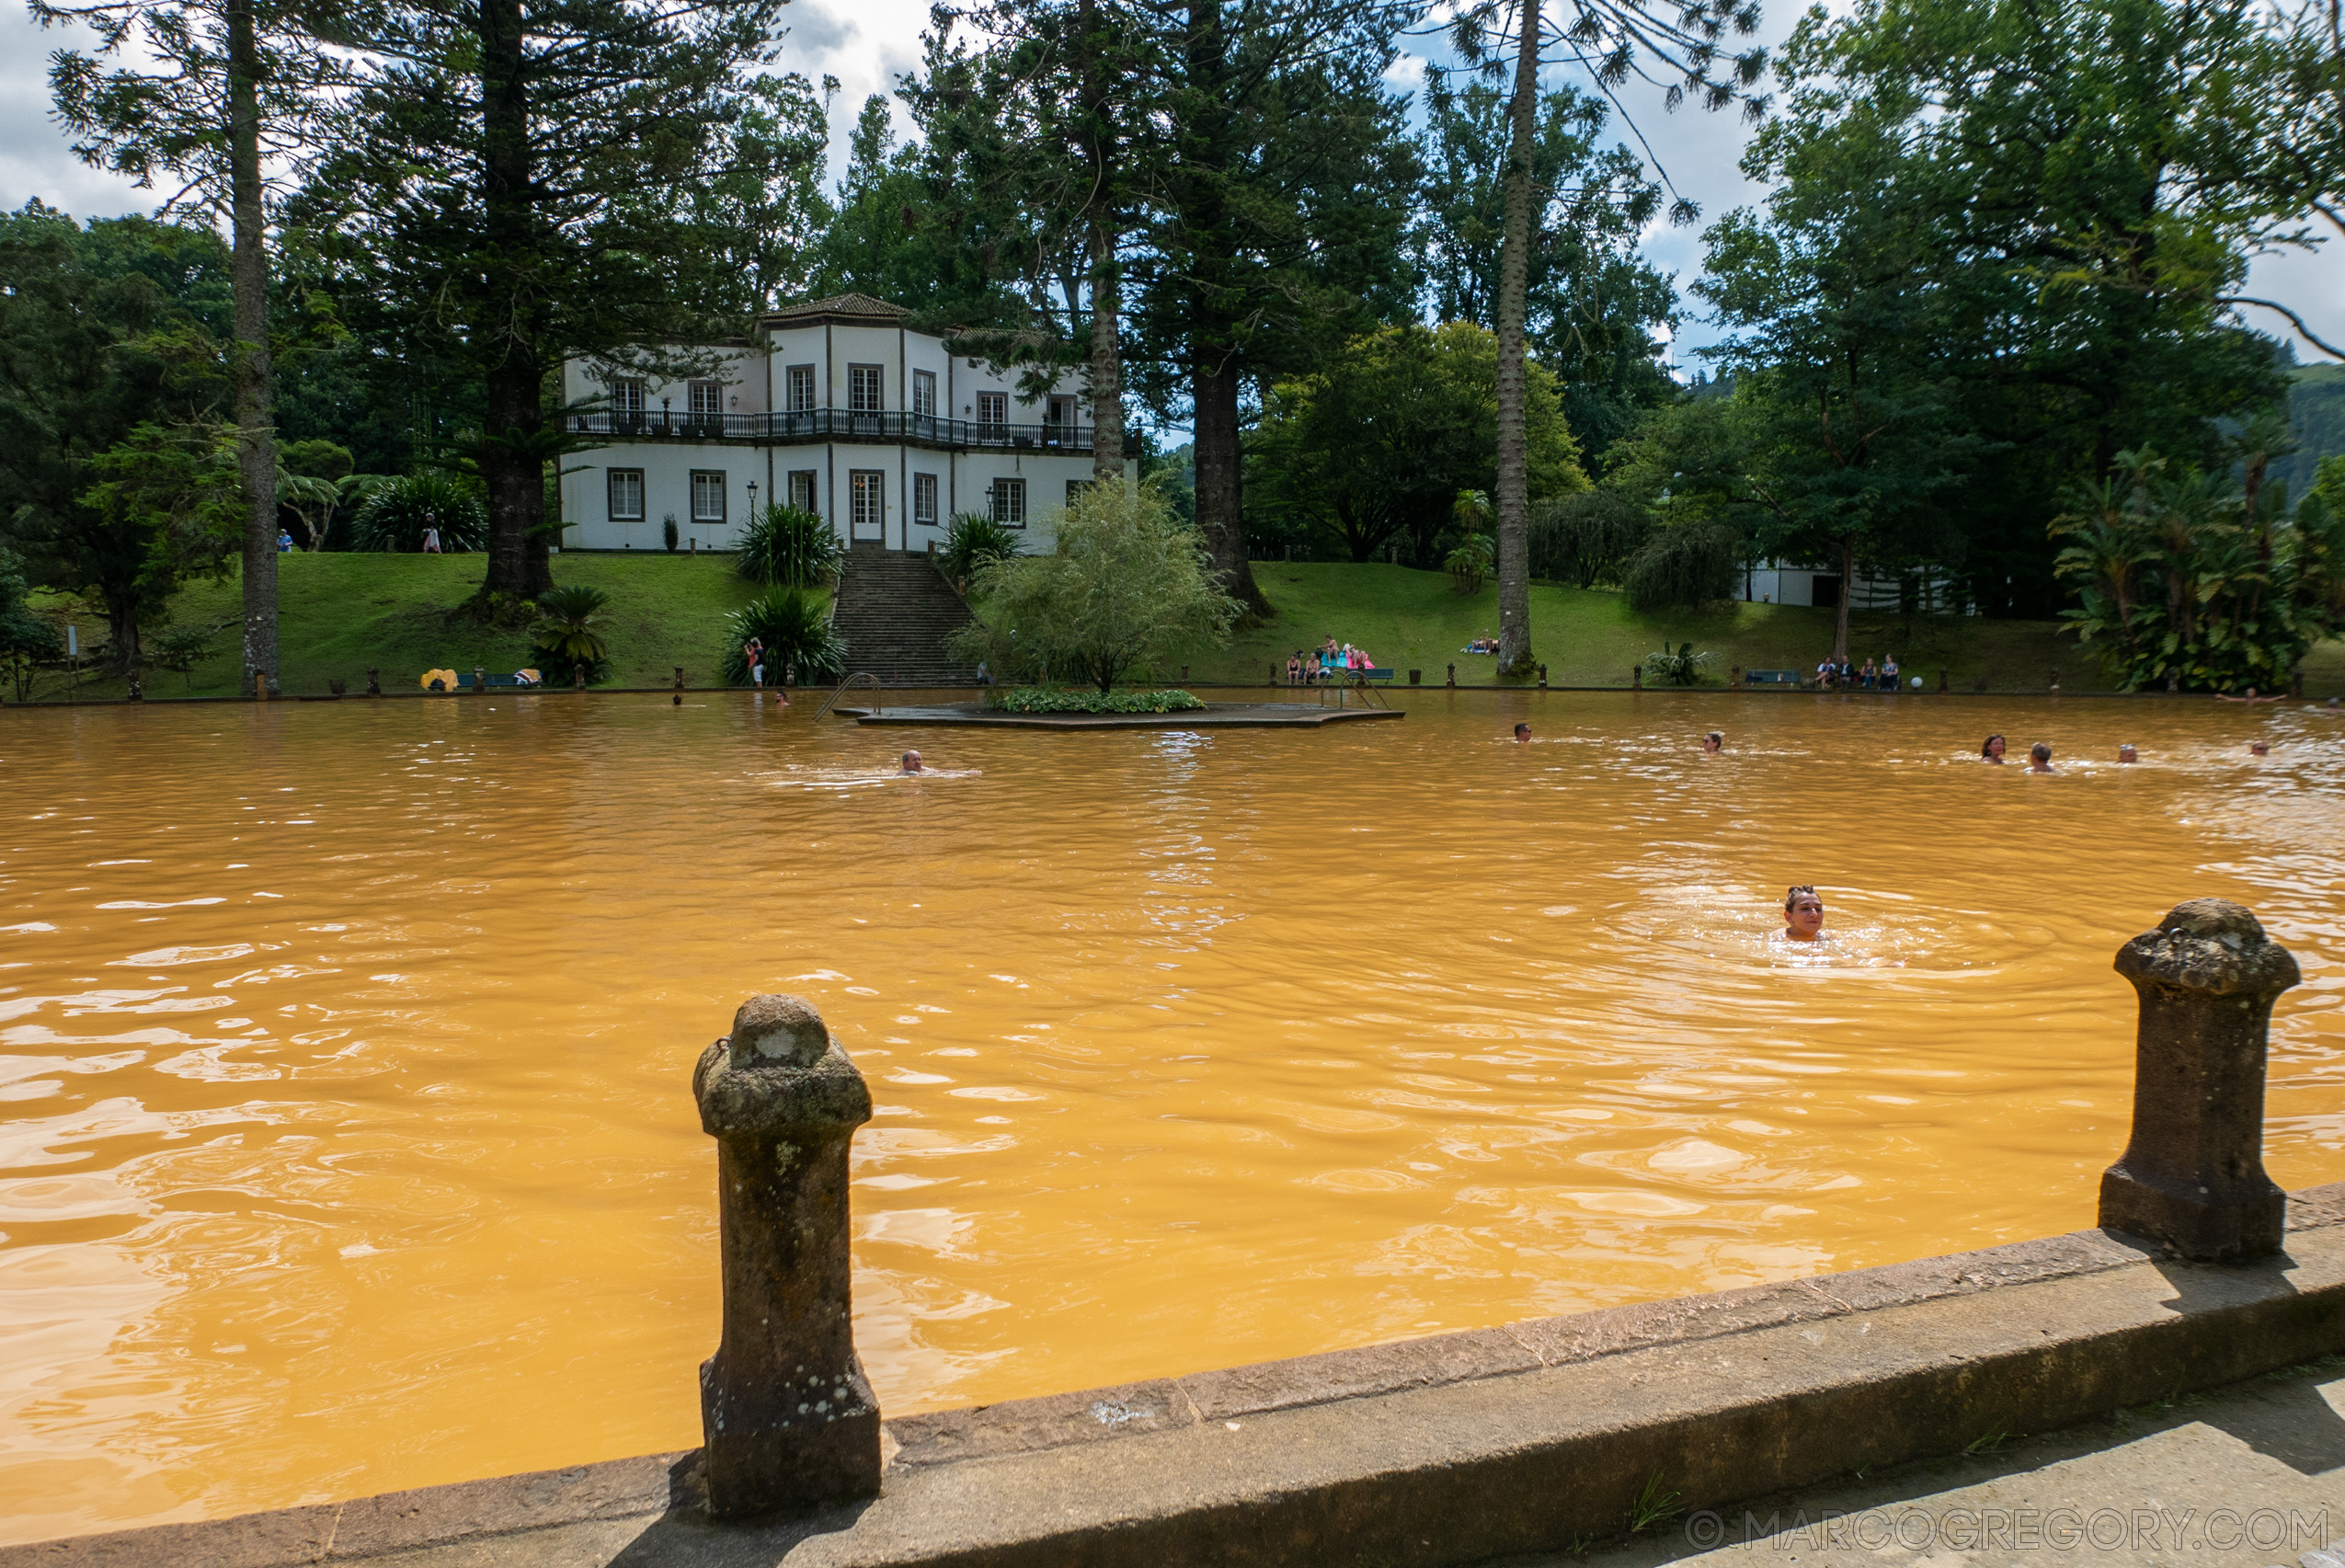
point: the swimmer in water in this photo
(2247, 696)
(1713, 743)
(1802, 915)
(2259, 748)
(1522, 735)
(1992, 749)
(911, 763)
(2125, 753)
(2040, 759)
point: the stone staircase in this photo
(894, 615)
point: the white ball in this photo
(1917, 683)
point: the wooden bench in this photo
(464, 683)
(1771, 678)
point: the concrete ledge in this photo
(1441, 1450)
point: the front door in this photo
(866, 505)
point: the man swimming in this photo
(1802, 915)
(2126, 753)
(911, 763)
(2040, 759)
(1713, 743)
(1522, 735)
(2259, 748)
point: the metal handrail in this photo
(866, 676)
(836, 424)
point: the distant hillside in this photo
(2317, 411)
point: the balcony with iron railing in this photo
(842, 425)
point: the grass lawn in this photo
(343, 613)
(1410, 618)
(338, 613)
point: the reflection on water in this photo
(346, 1141)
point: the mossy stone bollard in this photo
(2192, 1176)
(787, 1416)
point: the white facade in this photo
(835, 406)
(1781, 582)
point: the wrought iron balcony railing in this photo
(838, 424)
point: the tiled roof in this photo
(841, 304)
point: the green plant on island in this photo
(1682, 667)
(2187, 580)
(564, 639)
(971, 539)
(1053, 700)
(1129, 584)
(787, 547)
(395, 512)
(796, 630)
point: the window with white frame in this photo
(704, 398)
(626, 493)
(626, 397)
(924, 500)
(867, 504)
(924, 394)
(708, 496)
(801, 384)
(866, 386)
(1009, 502)
(993, 408)
(802, 489)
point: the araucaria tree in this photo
(228, 85)
(512, 188)
(1129, 584)
(1615, 41)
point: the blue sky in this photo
(866, 43)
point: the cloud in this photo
(36, 156)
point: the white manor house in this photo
(835, 406)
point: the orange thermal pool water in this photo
(346, 1140)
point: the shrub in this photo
(1129, 586)
(1692, 564)
(1588, 538)
(1047, 700)
(181, 649)
(668, 536)
(397, 511)
(1470, 562)
(796, 631)
(971, 540)
(787, 547)
(565, 641)
(1681, 667)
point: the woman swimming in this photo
(1991, 749)
(1802, 915)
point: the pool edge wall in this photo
(1448, 1449)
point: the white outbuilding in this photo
(836, 406)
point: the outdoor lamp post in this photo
(664, 426)
(752, 503)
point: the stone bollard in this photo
(2192, 1176)
(137, 693)
(1542, 678)
(1184, 674)
(259, 686)
(1453, 675)
(480, 681)
(577, 677)
(1734, 677)
(680, 678)
(1636, 678)
(1941, 677)
(787, 1416)
(1416, 676)
(374, 680)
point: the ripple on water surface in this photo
(346, 1138)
